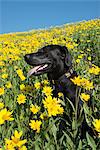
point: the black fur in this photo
(59, 62)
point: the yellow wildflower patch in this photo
(53, 106)
(85, 97)
(94, 70)
(20, 74)
(34, 108)
(22, 87)
(8, 85)
(78, 60)
(2, 91)
(47, 90)
(9, 145)
(4, 76)
(60, 94)
(77, 80)
(21, 99)
(45, 82)
(35, 125)
(81, 40)
(85, 83)
(43, 116)
(96, 124)
(16, 139)
(15, 142)
(37, 85)
(5, 116)
(1, 105)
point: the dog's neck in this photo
(64, 84)
(68, 74)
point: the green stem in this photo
(77, 101)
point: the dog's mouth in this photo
(38, 69)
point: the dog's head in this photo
(53, 59)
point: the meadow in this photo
(28, 118)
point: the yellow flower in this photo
(4, 70)
(86, 84)
(5, 115)
(20, 74)
(53, 106)
(88, 49)
(21, 99)
(9, 145)
(69, 45)
(22, 77)
(96, 124)
(46, 82)
(34, 108)
(60, 94)
(85, 97)
(23, 148)
(80, 56)
(35, 125)
(2, 91)
(94, 70)
(76, 80)
(47, 90)
(75, 44)
(2, 63)
(37, 85)
(54, 41)
(88, 41)
(15, 67)
(22, 87)
(43, 116)
(15, 142)
(8, 85)
(89, 58)
(1, 105)
(78, 60)
(16, 139)
(5, 75)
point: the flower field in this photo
(29, 114)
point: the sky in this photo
(26, 15)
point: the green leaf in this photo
(71, 104)
(37, 146)
(80, 120)
(87, 110)
(47, 136)
(74, 124)
(80, 145)
(54, 132)
(91, 141)
(69, 141)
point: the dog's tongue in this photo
(37, 68)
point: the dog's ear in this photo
(67, 56)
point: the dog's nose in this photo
(27, 56)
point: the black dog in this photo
(55, 60)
